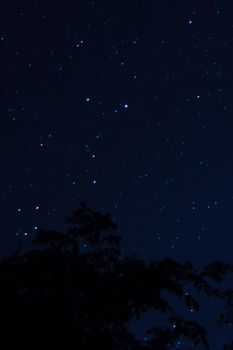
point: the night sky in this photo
(127, 105)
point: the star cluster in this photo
(127, 106)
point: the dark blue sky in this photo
(128, 106)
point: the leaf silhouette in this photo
(76, 288)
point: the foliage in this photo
(77, 289)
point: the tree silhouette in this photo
(76, 288)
